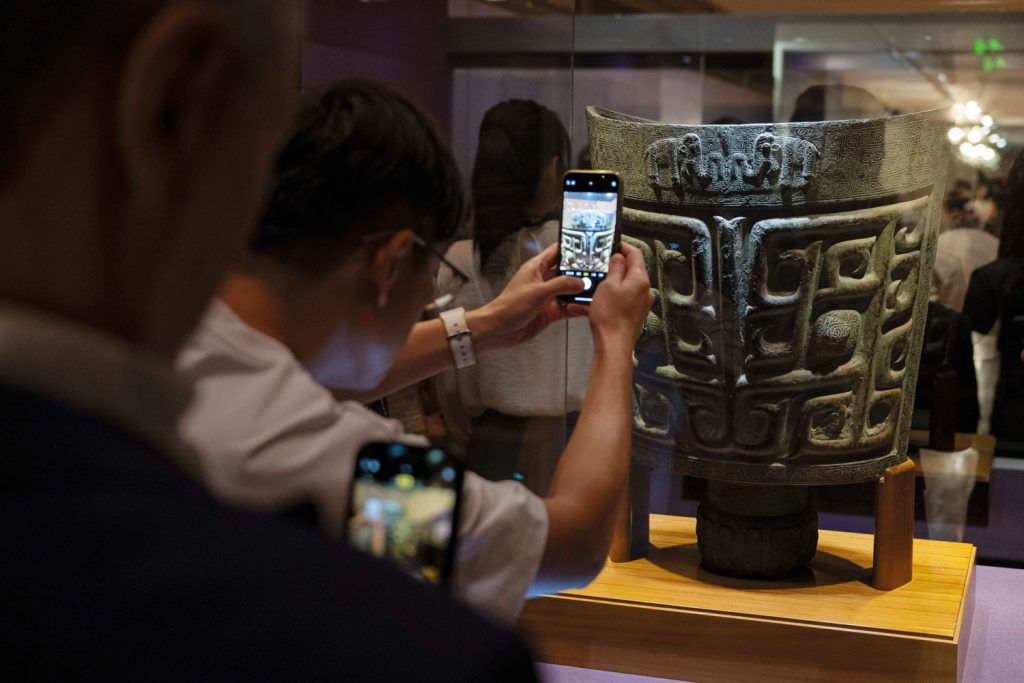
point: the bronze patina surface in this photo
(792, 265)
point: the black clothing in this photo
(947, 345)
(996, 293)
(116, 566)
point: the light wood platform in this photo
(665, 616)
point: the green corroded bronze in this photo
(791, 264)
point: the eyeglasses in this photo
(422, 244)
(448, 296)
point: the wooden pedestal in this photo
(665, 616)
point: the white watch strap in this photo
(459, 337)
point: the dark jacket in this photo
(115, 566)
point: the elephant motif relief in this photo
(781, 154)
(774, 161)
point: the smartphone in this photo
(404, 508)
(590, 229)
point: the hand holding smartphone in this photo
(590, 229)
(404, 508)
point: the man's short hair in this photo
(358, 152)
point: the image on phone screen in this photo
(404, 508)
(587, 235)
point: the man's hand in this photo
(623, 300)
(527, 305)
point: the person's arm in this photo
(526, 306)
(594, 469)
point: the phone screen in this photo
(404, 508)
(589, 230)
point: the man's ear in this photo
(385, 261)
(171, 97)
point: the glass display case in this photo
(714, 69)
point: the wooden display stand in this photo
(665, 616)
(894, 523)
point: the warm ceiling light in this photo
(987, 121)
(974, 136)
(956, 134)
(966, 148)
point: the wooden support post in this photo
(894, 527)
(632, 527)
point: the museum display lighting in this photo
(973, 135)
(972, 111)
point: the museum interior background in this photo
(726, 61)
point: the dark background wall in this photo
(401, 42)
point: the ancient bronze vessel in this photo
(792, 265)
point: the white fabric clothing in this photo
(270, 436)
(949, 287)
(533, 378)
(969, 248)
(98, 374)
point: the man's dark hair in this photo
(358, 152)
(955, 202)
(517, 139)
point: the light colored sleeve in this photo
(502, 534)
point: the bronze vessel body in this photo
(791, 264)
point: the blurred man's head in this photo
(366, 190)
(138, 135)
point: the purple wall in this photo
(401, 43)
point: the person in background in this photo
(995, 297)
(947, 341)
(137, 138)
(366, 198)
(961, 249)
(983, 207)
(836, 101)
(516, 406)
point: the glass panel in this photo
(461, 62)
(731, 62)
(715, 64)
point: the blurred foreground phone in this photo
(589, 233)
(404, 508)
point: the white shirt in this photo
(545, 376)
(270, 436)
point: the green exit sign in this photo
(983, 46)
(990, 49)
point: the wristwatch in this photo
(459, 337)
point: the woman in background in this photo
(995, 298)
(515, 409)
